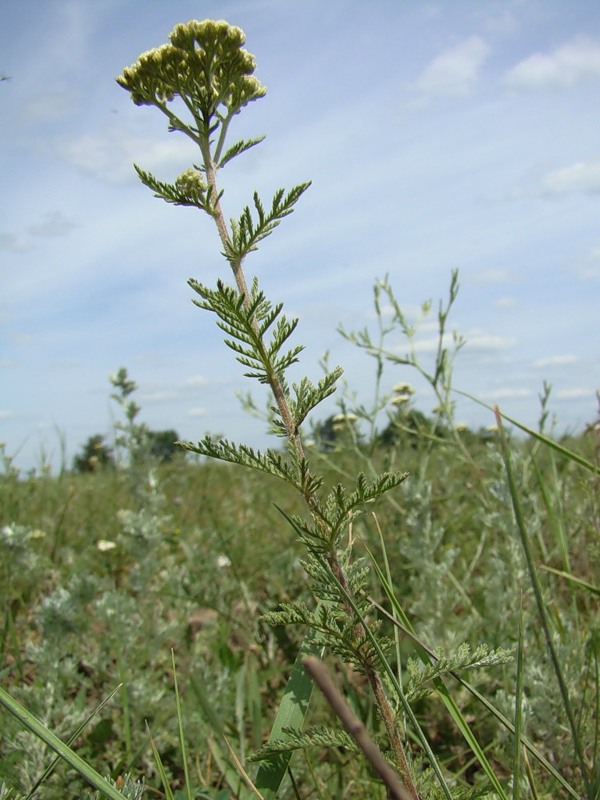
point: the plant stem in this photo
(240, 280)
(283, 406)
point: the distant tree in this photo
(408, 425)
(336, 432)
(161, 445)
(95, 455)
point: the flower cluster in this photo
(402, 393)
(205, 62)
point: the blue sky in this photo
(438, 135)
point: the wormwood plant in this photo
(200, 81)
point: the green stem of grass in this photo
(541, 606)
(29, 721)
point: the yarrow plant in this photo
(200, 81)
(207, 69)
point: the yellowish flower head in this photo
(204, 63)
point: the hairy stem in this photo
(240, 279)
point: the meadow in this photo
(382, 604)
(105, 574)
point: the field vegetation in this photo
(105, 574)
(383, 604)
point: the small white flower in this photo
(105, 546)
(403, 388)
(345, 418)
(223, 561)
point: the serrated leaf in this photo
(247, 233)
(238, 148)
(296, 739)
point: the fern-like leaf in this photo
(462, 658)
(246, 324)
(341, 507)
(269, 461)
(318, 736)
(307, 397)
(238, 148)
(247, 233)
(189, 189)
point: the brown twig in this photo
(319, 673)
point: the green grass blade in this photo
(559, 448)
(388, 575)
(410, 714)
(32, 724)
(555, 515)
(230, 775)
(160, 768)
(125, 706)
(441, 688)
(52, 766)
(541, 606)
(186, 774)
(401, 620)
(292, 712)
(573, 579)
(517, 760)
(254, 702)
(10, 632)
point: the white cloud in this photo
(500, 21)
(574, 393)
(553, 361)
(505, 302)
(492, 275)
(196, 412)
(430, 344)
(11, 243)
(572, 62)
(111, 157)
(455, 71)
(591, 271)
(158, 396)
(580, 178)
(54, 224)
(474, 340)
(194, 381)
(50, 107)
(507, 394)
(479, 340)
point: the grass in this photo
(193, 568)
